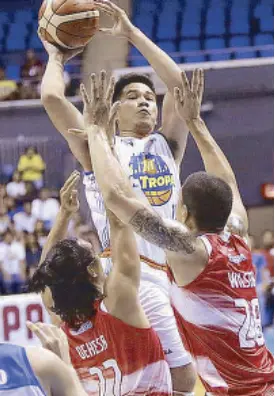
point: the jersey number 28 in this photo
(250, 334)
(111, 385)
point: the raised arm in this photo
(63, 114)
(167, 70)
(69, 205)
(124, 281)
(188, 103)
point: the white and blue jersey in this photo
(16, 374)
(154, 175)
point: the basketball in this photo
(68, 23)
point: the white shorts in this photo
(156, 304)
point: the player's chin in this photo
(145, 126)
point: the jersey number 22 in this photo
(113, 382)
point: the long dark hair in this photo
(64, 271)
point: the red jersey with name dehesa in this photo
(114, 358)
(219, 320)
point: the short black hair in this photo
(131, 78)
(208, 200)
(64, 271)
(34, 148)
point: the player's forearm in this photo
(63, 114)
(167, 70)
(53, 85)
(109, 174)
(57, 233)
(124, 248)
(214, 160)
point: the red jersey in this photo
(219, 321)
(114, 358)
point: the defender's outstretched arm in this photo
(188, 103)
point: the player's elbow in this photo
(50, 98)
(112, 197)
(118, 202)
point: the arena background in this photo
(231, 39)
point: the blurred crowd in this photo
(27, 212)
(263, 260)
(28, 83)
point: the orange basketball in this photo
(68, 23)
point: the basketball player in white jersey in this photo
(150, 159)
(36, 372)
(213, 278)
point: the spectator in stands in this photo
(25, 221)
(10, 204)
(31, 74)
(33, 253)
(16, 188)
(268, 251)
(12, 264)
(45, 208)
(31, 193)
(32, 67)
(8, 88)
(3, 192)
(4, 221)
(41, 233)
(260, 264)
(32, 167)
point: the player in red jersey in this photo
(213, 279)
(112, 346)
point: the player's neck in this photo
(133, 134)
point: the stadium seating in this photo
(189, 25)
(215, 21)
(265, 39)
(13, 72)
(216, 44)
(4, 18)
(241, 42)
(193, 25)
(189, 46)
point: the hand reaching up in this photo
(188, 98)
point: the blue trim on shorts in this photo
(88, 173)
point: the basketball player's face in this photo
(138, 113)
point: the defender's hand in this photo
(52, 338)
(188, 99)
(69, 195)
(98, 108)
(122, 25)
